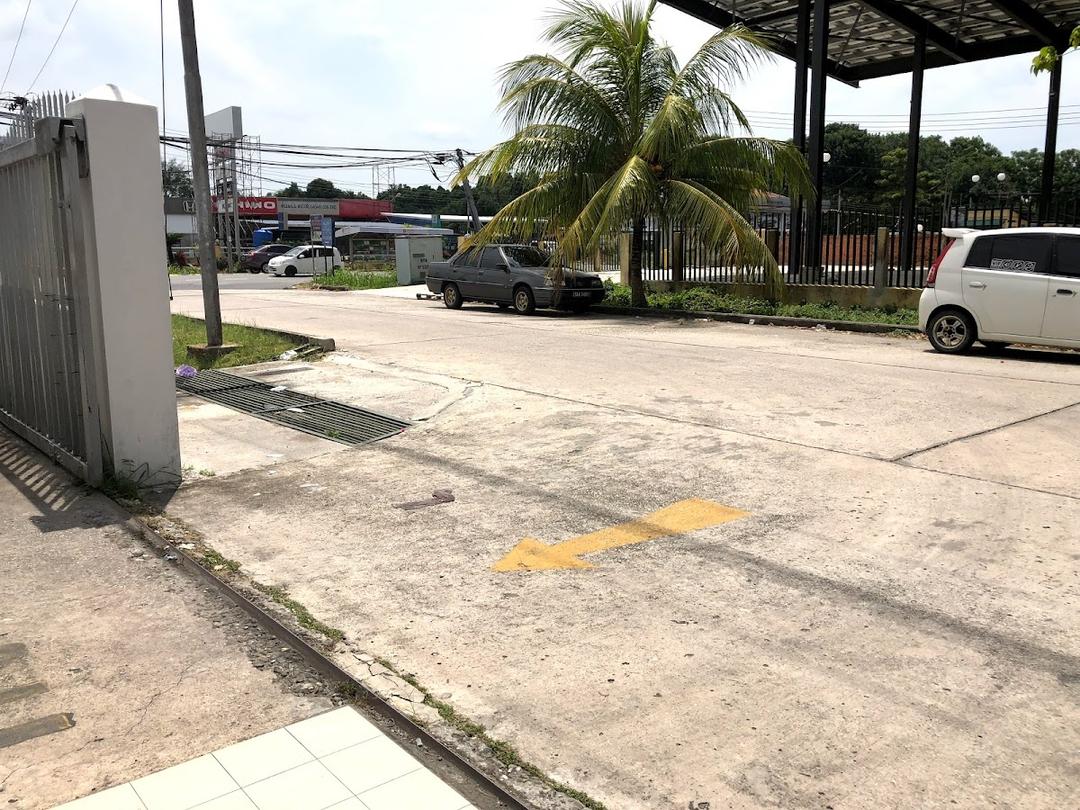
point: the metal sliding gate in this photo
(48, 381)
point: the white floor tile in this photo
(230, 801)
(349, 804)
(420, 790)
(122, 797)
(308, 787)
(263, 756)
(184, 786)
(369, 764)
(326, 733)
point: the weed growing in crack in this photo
(505, 753)
(216, 561)
(279, 595)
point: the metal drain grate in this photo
(319, 417)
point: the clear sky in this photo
(421, 74)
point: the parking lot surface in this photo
(886, 616)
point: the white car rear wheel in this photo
(951, 331)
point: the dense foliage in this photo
(868, 168)
(709, 299)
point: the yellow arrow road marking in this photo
(679, 518)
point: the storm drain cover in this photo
(319, 417)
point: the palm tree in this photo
(619, 134)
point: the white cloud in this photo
(423, 73)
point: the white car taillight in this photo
(931, 278)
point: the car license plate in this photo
(581, 293)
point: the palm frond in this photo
(631, 190)
(712, 218)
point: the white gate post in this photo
(131, 319)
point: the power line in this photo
(56, 42)
(15, 50)
(161, 19)
(960, 113)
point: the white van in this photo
(306, 260)
(1017, 285)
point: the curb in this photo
(365, 696)
(768, 320)
(325, 344)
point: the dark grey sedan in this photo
(517, 276)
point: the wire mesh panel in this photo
(45, 393)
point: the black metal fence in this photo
(848, 242)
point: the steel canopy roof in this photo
(869, 39)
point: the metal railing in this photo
(849, 241)
(48, 385)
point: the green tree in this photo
(291, 190)
(1025, 170)
(617, 132)
(176, 180)
(854, 163)
(1046, 58)
(319, 188)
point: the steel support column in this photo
(1050, 148)
(816, 146)
(911, 173)
(802, 58)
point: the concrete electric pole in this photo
(474, 214)
(200, 175)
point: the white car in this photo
(305, 260)
(1017, 285)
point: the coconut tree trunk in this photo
(637, 242)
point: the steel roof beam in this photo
(1031, 19)
(1021, 43)
(913, 22)
(714, 15)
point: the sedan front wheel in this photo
(524, 303)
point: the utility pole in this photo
(200, 175)
(474, 214)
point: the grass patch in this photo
(216, 561)
(183, 270)
(256, 345)
(707, 299)
(303, 616)
(505, 753)
(362, 266)
(357, 279)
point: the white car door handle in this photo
(978, 285)
(1065, 292)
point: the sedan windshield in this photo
(522, 256)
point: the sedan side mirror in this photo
(503, 266)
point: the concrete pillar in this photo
(881, 258)
(772, 242)
(130, 316)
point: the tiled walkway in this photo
(335, 760)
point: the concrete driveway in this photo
(885, 616)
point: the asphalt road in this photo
(228, 282)
(855, 584)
